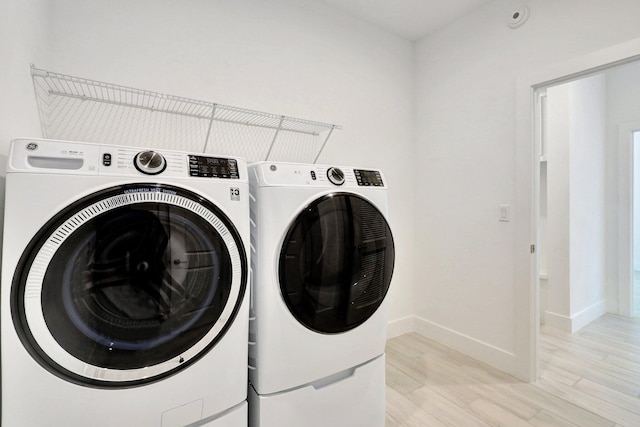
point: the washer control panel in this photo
(50, 156)
(213, 167)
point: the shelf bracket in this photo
(206, 140)
(324, 143)
(275, 136)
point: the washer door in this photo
(129, 285)
(336, 263)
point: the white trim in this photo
(579, 320)
(558, 321)
(398, 327)
(484, 352)
(588, 315)
(625, 216)
(527, 189)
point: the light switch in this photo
(505, 213)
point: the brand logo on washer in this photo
(32, 146)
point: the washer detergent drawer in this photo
(355, 398)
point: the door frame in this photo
(626, 149)
(527, 281)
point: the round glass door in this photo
(336, 263)
(129, 285)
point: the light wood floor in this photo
(591, 378)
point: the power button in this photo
(106, 159)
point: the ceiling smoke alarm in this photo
(518, 17)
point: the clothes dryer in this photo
(322, 266)
(123, 293)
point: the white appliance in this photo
(322, 265)
(124, 287)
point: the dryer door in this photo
(129, 285)
(336, 263)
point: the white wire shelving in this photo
(78, 109)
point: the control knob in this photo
(336, 176)
(149, 162)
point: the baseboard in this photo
(577, 321)
(558, 321)
(395, 328)
(484, 352)
(588, 315)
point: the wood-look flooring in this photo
(590, 378)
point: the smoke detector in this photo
(518, 17)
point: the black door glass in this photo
(136, 286)
(133, 286)
(336, 263)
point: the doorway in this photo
(635, 286)
(528, 181)
(574, 223)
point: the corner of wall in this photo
(572, 324)
(479, 350)
(398, 327)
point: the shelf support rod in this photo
(275, 136)
(34, 70)
(324, 143)
(206, 140)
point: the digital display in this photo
(368, 178)
(213, 167)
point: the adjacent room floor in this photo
(590, 378)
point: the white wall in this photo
(558, 242)
(588, 200)
(576, 210)
(465, 131)
(636, 197)
(623, 112)
(293, 57)
(623, 92)
(24, 30)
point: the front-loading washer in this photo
(124, 297)
(322, 266)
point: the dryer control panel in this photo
(309, 175)
(369, 177)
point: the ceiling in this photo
(410, 19)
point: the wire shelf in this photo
(79, 109)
